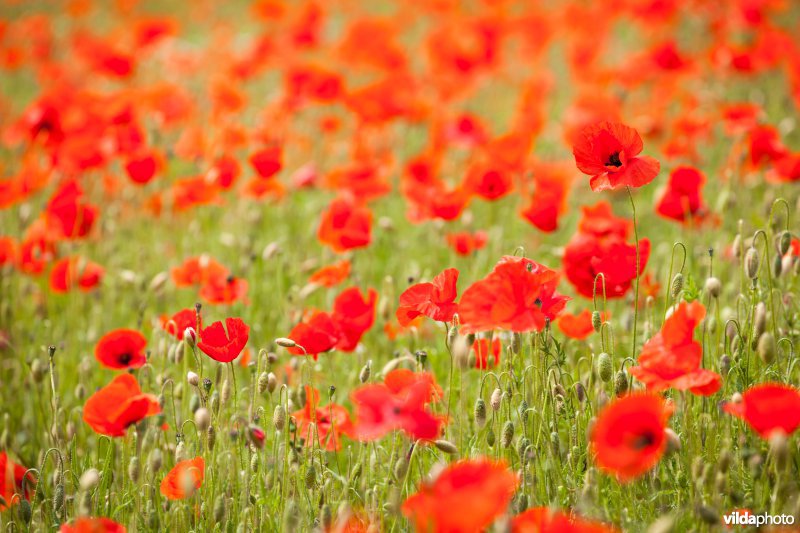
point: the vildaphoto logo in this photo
(746, 518)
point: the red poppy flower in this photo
(354, 315)
(224, 346)
(224, 172)
(400, 381)
(487, 352)
(11, 478)
(465, 243)
(577, 326)
(765, 145)
(121, 403)
(143, 167)
(93, 525)
(317, 333)
(551, 187)
(121, 348)
(177, 324)
(600, 247)
(224, 290)
(331, 275)
(518, 295)
(330, 421)
(547, 520)
(379, 412)
(628, 437)
(488, 182)
(671, 358)
(768, 408)
(607, 151)
(436, 299)
(184, 479)
(681, 199)
(67, 214)
(72, 272)
(267, 161)
(197, 271)
(345, 225)
(8, 251)
(466, 497)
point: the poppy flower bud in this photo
(263, 381)
(190, 336)
(180, 452)
(494, 401)
(212, 437)
(256, 436)
(193, 379)
(604, 368)
(784, 242)
(751, 263)
(737, 246)
(155, 460)
(673, 441)
(25, 512)
(58, 497)
(366, 370)
(597, 321)
(724, 364)
(214, 403)
(779, 448)
(620, 383)
(508, 434)
(446, 446)
(219, 509)
(286, 343)
(580, 391)
(490, 437)
(400, 468)
(713, 287)
(480, 413)
(89, 479)
(766, 347)
(202, 419)
(225, 395)
(279, 417)
(677, 285)
(777, 266)
(272, 382)
(133, 469)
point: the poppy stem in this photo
(638, 274)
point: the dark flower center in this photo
(538, 302)
(125, 358)
(643, 441)
(613, 160)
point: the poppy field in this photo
(403, 265)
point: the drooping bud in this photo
(604, 368)
(286, 343)
(751, 263)
(508, 434)
(366, 370)
(597, 320)
(620, 383)
(263, 382)
(446, 446)
(766, 347)
(784, 242)
(480, 413)
(494, 401)
(713, 287)
(677, 285)
(279, 417)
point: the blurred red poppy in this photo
(184, 479)
(628, 437)
(400, 381)
(330, 422)
(435, 299)
(671, 358)
(121, 348)
(345, 226)
(379, 411)
(479, 489)
(518, 295)
(77, 272)
(487, 352)
(577, 326)
(221, 345)
(681, 200)
(607, 151)
(11, 477)
(177, 324)
(331, 275)
(67, 214)
(768, 408)
(547, 520)
(93, 525)
(267, 162)
(465, 243)
(121, 403)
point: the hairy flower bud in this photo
(494, 401)
(677, 285)
(751, 263)
(604, 368)
(597, 320)
(279, 417)
(480, 413)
